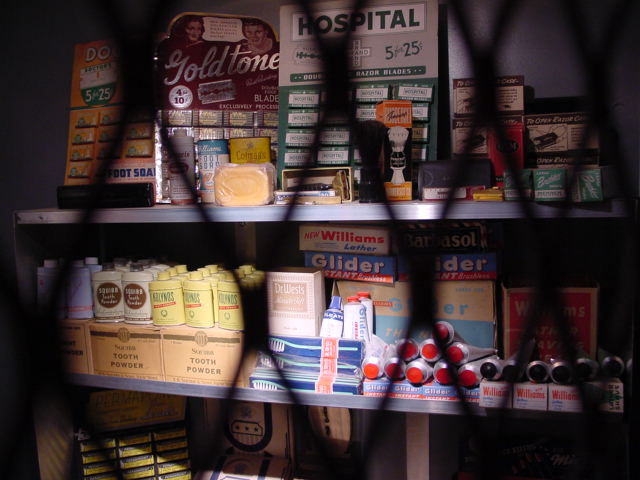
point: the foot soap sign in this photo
(219, 62)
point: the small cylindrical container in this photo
(429, 350)
(365, 299)
(561, 372)
(441, 372)
(198, 301)
(79, 296)
(491, 368)
(355, 320)
(460, 353)
(167, 301)
(407, 348)
(108, 298)
(229, 315)
(137, 299)
(537, 371)
(418, 371)
(393, 364)
(47, 276)
(92, 264)
(586, 369)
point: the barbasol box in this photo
(325, 237)
(363, 268)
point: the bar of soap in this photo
(248, 184)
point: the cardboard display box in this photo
(208, 356)
(336, 176)
(530, 396)
(329, 237)
(579, 308)
(468, 305)
(248, 467)
(296, 301)
(125, 350)
(496, 394)
(75, 347)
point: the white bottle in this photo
(79, 296)
(137, 300)
(365, 299)
(108, 298)
(47, 276)
(92, 264)
(182, 175)
(355, 320)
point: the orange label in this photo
(324, 384)
(395, 113)
(329, 347)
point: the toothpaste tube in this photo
(333, 319)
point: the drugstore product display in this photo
(242, 133)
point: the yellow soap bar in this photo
(249, 184)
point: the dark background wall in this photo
(36, 48)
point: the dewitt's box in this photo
(208, 356)
(295, 297)
(123, 350)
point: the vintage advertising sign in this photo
(219, 62)
(393, 53)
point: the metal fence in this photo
(595, 54)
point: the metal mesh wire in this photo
(595, 57)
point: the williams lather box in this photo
(296, 301)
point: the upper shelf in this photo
(461, 210)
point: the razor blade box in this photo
(438, 175)
(343, 349)
(248, 467)
(364, 268)
(318, 178)
(579, 307)
(329, 237)
(509, 91)
(296, 301)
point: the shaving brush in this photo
(369, 137)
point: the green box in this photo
(587, 186)
(526, 181)
(549, 184)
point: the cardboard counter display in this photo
(126, 350)
(208, 356)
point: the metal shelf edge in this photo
(355, 211)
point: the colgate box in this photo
(468, 305)
(326, 237)
(579, 308)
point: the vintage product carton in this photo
(579, 308)
(253, 428)
(530, 396)
(399, 389)
(75, 345)
(248, 467)
(340, 179)
(130, 351)
(459, 266)
(327, 237)
(554, 139)
(121, 409)
(587, 186)
(364, 268)
(433, 390)
(549, 184)
(607, 393)
(525, 176)
(209, 356)
(96, 81)
(509, 95)
(496, 394)
(379, 67)
(296, 301)
(445, 236)
(468, 305)
(397, 175)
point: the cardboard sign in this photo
(219, 62)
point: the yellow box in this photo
(95, 79)
(126, 351)
(207, 356)
(75, 345)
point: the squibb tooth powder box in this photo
(295, 298)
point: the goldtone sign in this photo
(219, 62)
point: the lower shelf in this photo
(316, 399)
